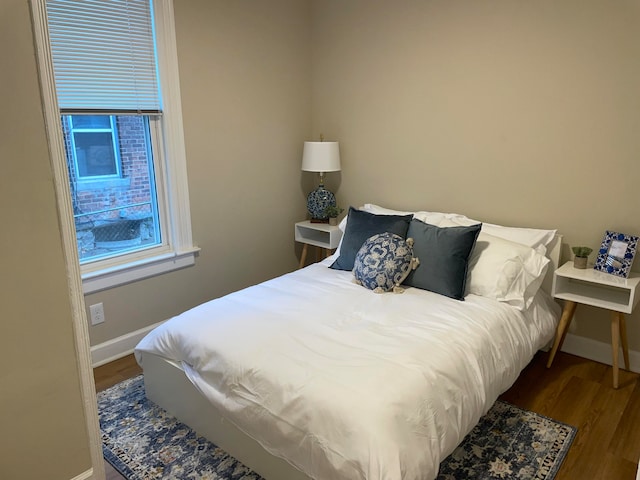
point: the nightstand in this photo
(591, 287)
(320, 235)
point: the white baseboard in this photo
(118, 347)
(86, 475)
(598, 351)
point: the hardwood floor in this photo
(574, 390)
(579, 392)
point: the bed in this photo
(310, 375)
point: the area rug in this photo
(143, 442)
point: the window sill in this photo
(137, 270)
(84, 185)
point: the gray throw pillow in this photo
(444, 257)
(360, 226)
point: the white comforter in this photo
(347, 384)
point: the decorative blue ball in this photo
(318, 200)
(383, 262)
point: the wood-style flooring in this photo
(574, 390)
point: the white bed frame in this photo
(168, 386)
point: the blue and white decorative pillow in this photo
(383, 262)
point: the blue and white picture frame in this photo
(616, 253)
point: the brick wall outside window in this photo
(113, 198)
(135, 170)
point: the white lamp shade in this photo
(321, 157)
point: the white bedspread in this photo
(347, 384)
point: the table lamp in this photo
(320, 157)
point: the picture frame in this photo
(616, 253)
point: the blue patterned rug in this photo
(143, 442)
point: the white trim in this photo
(173, 135)
(597, 351)
(67, 231)
(87, 474)
(118, 347)
(132, 271)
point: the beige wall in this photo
(246, 94)
(521, 113)
(43, 426)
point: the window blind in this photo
(104, 56)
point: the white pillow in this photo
(432, 218)
(507, 271)
(342, 226)
(378, 210)
(532, 237)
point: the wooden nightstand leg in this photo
(623, 339)
(303, 257)
(563, 326)
(615, 344)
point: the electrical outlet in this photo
(97, 313)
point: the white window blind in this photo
(104, 56)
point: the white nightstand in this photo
(321, 235)
(598, 289)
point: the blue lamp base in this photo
(317, 201)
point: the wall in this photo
(246, 93)
(520, 113)
(512, 112)
(41, 409)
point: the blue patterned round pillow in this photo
(383, 262)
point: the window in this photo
(112, 184)
(122, 139)
(93, 145)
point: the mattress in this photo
(344, 383)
